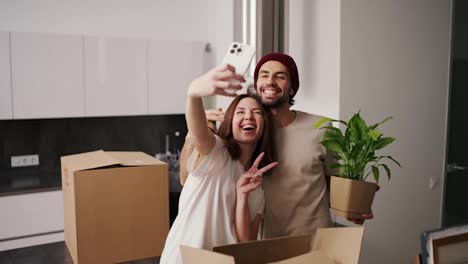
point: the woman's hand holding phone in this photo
(216, 82)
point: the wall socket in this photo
(25, 160)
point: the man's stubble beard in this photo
(277, 103)
(284, 99)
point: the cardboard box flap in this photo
(342, 245)
(309, 258)
(331, 246)
(268, 250)
(195, 256)
(88, 160)
(137, 158)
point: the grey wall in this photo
(395, 61)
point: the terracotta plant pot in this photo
(350, 198)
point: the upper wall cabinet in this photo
(47, 75)
(172, 65)
(5, 76)
(115, 76)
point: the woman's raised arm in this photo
(217, 81)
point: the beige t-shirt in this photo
(296, 191)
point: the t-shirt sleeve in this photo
(256, 203)
(213, 161)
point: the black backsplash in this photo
(53, 138)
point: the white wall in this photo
(394, 60)
(203, 20)
(314, 43)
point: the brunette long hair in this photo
(265, 142)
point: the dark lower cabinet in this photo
(173, 206)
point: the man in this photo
(296, 191)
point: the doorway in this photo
(455, 209)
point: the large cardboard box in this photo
(331, 245)
(116, 206)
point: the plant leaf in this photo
(374, 134)
(321, 121)
(332, 129)
(376, 173)
(387, 170)
(333, 134)
(382, 142)
(333, 145)
(358, 128)
(358, 148)
(341, 172)
(390, 157)
(374, 126)
(334, 165)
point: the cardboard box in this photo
(331, 245)
(116, 206)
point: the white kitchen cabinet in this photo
(47, 75)
(31, 219)
(5, 76)
(116, 81)
(172, 65)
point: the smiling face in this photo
(273, 84)
(248, 121)
(247, 127)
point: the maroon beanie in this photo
(287, 61)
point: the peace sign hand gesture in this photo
(252, 178)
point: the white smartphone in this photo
(240, 56)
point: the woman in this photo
(208, 213)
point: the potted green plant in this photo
(356, 158)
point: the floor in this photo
(55, 253)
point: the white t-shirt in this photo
(207, 204)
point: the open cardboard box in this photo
(116, 206)
(331, 245)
